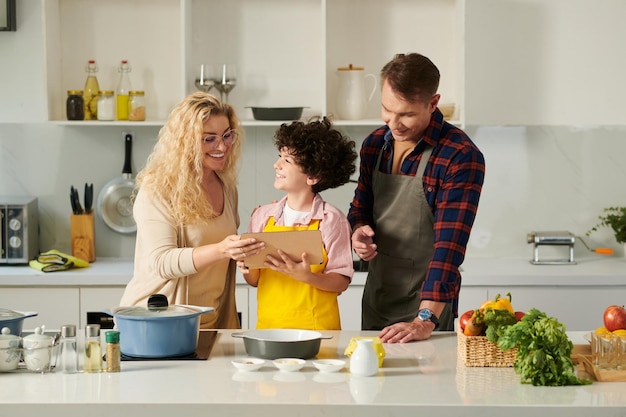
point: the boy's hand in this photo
(297, 270)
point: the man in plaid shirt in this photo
(416, 200)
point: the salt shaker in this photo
(68, 353)
(364, 360)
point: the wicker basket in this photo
(478, 351)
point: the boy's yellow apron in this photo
(286, 303)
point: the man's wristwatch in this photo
(427, 315)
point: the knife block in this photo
(83, 236)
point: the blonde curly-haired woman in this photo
(185, 208)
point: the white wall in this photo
(538, 177)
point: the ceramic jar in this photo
(38, 350)
(364, 359)
(352, 96)
(10, 350)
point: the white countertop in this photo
(592, 271)
(416, 378)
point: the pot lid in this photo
(6, 314)
(170, 311)
(6, 334)
(350, 68)
(157, 307)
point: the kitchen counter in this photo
(592, 271)
(419, 378)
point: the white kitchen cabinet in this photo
(578, 308)
(287, 52)
(243, 304)
(350, 307)
(55, 306)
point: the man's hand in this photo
(363, 243)
(404, 332)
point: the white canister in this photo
(364, 359)
(352, 97)
(38, 350)
(10, 350)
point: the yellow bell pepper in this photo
(498, 303)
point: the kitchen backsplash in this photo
(538, 178)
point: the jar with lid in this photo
(113, 354)
(74, 105)
(106, 105)
(136, 106)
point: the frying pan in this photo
(114, 204)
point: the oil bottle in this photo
(123, 88)
(93, 349)
(90, 92)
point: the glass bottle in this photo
(74, 105)
(106, 105)
(93, 349)
(113, 354)
(68, 353)
(90, 92)
(136, 106)
(123, 88)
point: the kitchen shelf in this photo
(84, 123)
(287, 52)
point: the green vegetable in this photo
(543, 350)
(496, 321)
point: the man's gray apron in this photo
(403, 224)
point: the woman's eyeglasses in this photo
(228, 138)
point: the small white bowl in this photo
(329, 365)
(289, 364)
(248, 364)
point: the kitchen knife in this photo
(72, 199)
(76, 199)
(88, 198)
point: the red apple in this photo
(465, 318)
(615, 318)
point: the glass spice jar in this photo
(113, 354)
(136, 106)
(74, 105)
(106, 105)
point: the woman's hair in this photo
(320, 151)
(413, 76)
(174, 169)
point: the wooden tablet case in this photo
(292, 242)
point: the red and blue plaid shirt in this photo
(452, 182)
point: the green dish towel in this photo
(55, 260)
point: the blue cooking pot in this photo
(158, 330)
(14, 320)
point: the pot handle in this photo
(28, 314)
(240, 335)
(326, 336)
(203, 309)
